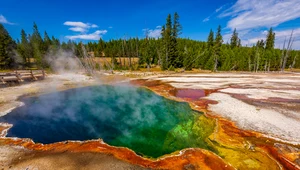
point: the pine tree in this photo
(207, 62)
(148, 52)
(175, 59)
(170, 33)
(79, 51)
(189, 56)
(234, 41)
(47, 50)
(269, 50)
(167, 38)
(7, 47)
(47, 42)
(55, 43)
(270, 41)
(37, 44)
(210, 39)
(100, 47)
(177, 28)
(217, 48)
(25, 49)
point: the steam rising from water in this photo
(63, 61)
(122, 116)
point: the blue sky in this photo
(92, 19)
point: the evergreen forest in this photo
(169, 52)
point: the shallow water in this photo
(189, 93)
(131, 117)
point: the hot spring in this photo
(125, 116)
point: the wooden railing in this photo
(19, 76)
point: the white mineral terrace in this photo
(278, 122)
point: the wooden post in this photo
(32, 75)
(2, 80)
(18, 76)
(43, 72)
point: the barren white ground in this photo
(275, 121)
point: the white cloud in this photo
(110, 27)
(253, 18)
(84, 28)
(241, 34)
(214, 13)
(79, 26)
(94, 26)
(219, 9)
(251, 38)
(206, 19)
(285, 34)
(75, 24)
(296, 45)
(226, 37)
(153, 33)
(101, 32)
(93, 36)
(253, 41)
(249, 14)
(77, 29)
(3, 20)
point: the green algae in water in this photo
(131, 117)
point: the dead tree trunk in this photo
(289, 48)
(159, 56)
(130, 55)
(282, 55)
(257, 61)
(137, 48)
(249, 64)
(216, 63)
(294, 62)
(265, 67)
(123, 50)
(167, 63)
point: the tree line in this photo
(169, 52)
